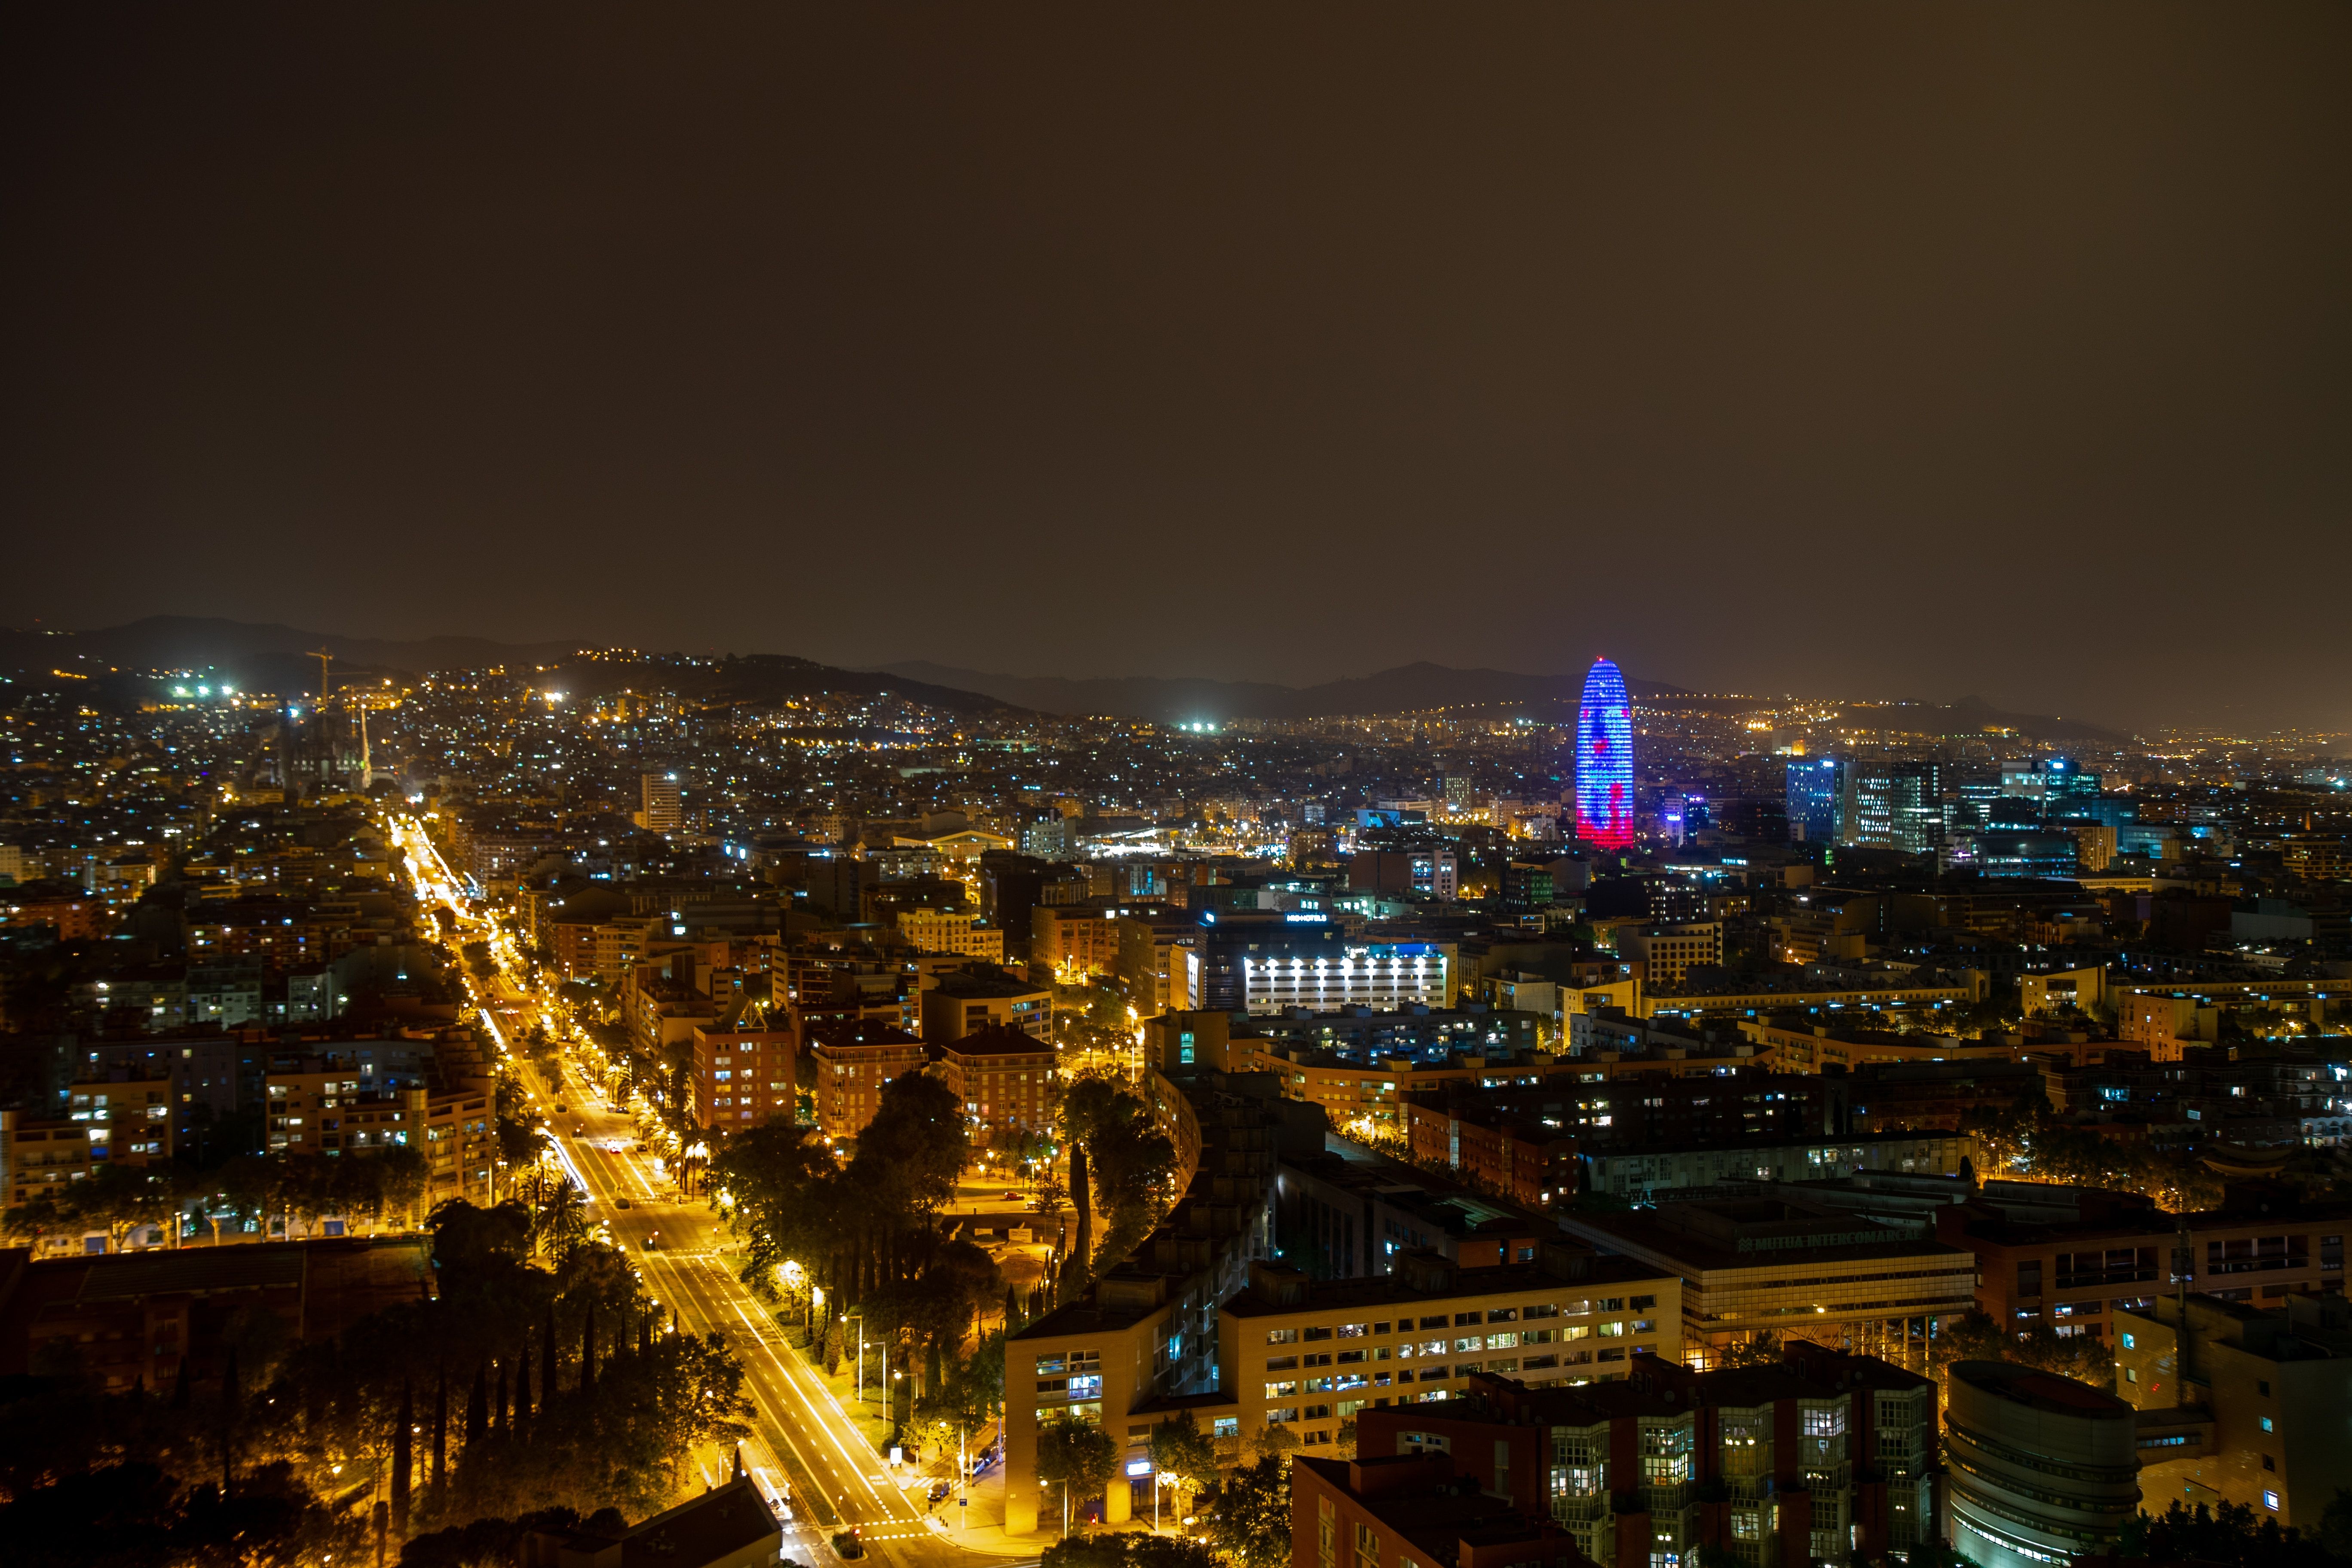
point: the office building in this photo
(1604, 760)
(2042, 1469)
(2072, 1258)
(1796, 1269)
(1309, 1355)
(1896, 805)
(1816, 799)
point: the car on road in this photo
(1012, 1197)
(846, 1544)
(652, 1242)
(623, 1204)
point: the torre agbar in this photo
(1604, 760)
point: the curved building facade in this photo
(1604, 760)
(2041, 1468)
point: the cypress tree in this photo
(440, 1426)
(1012, 1311)
(179, 1386)
(588, 1348)
(1082, 1198)
(522, 1427)
(499, 1402)
(401, 1459)
(478, 1414)
(232, 1405)
(646, 1334)
(547, 1361)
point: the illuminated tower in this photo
(1604, 760)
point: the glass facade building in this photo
(1604, 760)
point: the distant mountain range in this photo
(1420, 687)
(259, 657)
(1408, 688)
(276, 659)
(271, 657)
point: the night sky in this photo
(1870, 350)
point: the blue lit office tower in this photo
(1817, 799)
(1604, 760)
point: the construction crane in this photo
(324, 658)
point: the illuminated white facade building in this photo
(1384, 976)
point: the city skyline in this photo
(1204, 787)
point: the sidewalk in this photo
(871, 1417)
(981, 1530)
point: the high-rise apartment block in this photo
(663, 808)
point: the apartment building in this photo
(1144, 1339)
(952, 930)
(1796, 1269)
(1366, 1099)
(1819, 1455)
(1005, 1079)
(1309, 1354)
(1073, 940)
(41, 1155)
(742, 1078)
(853, 1059)
(971, 999)
(359, 1097)
(1403, 1510)
(1670, 952)
(2239, 1403)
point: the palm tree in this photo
(562, 1222)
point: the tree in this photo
(404, 1176)
(1763, 1350)
(2229, 1534)
(783, 1184)
(1052, 1196)
(1185, 1455)
(403, 1451)
(2335, 1524)
(561, 1224)
(1248, 1515)
(1076, 1456)
(910, 1154)
(118, 1199)
(1127, 1549)
(1274, 1441)
(1977, 1337)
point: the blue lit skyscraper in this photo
(1604, 760)
(1817, 803)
